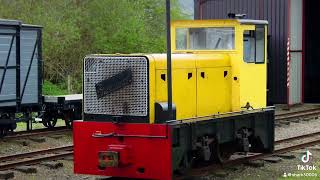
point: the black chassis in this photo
(220, 135)
(62, 109)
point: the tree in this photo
(75, 28)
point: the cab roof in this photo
(11, 22)
(210, 22)
(253, 22)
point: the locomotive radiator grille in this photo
(127, 99)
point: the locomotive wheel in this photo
(221, 152)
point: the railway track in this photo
(37, 132)
(288, 140)
(298, 114)
(34, 157)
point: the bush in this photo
(51, 89)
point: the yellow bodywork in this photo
(227, 85)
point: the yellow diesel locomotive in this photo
(219, 71)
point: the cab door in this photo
(213, 90)
(183, 91)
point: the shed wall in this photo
(275, 11)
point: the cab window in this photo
(209, 38)
(254, 45)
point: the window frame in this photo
(205, 50)
(255, 45)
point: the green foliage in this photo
(75, 28)
(52, 89)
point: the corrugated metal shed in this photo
(275, 11)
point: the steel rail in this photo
(287, 140)
(35, 153)
(34, 157)
(36, 132)
(41, 130)
(297, 114)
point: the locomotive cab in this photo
(219, 93)
(214, 64)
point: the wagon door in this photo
(8, 66)
(30, 67)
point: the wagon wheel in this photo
(44, 123)
(52, 122)
(43, 115)
(68, 118)
(49, 121)
(44, 120)
(3, 132)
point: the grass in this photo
(52, 89)
(22, 126)
(48, 89)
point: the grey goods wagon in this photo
(20, 71)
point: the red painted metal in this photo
(144, 149)
(288, 54)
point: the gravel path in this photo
(62, 173)
(22, 145)
(297, 129)
(282, 109)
